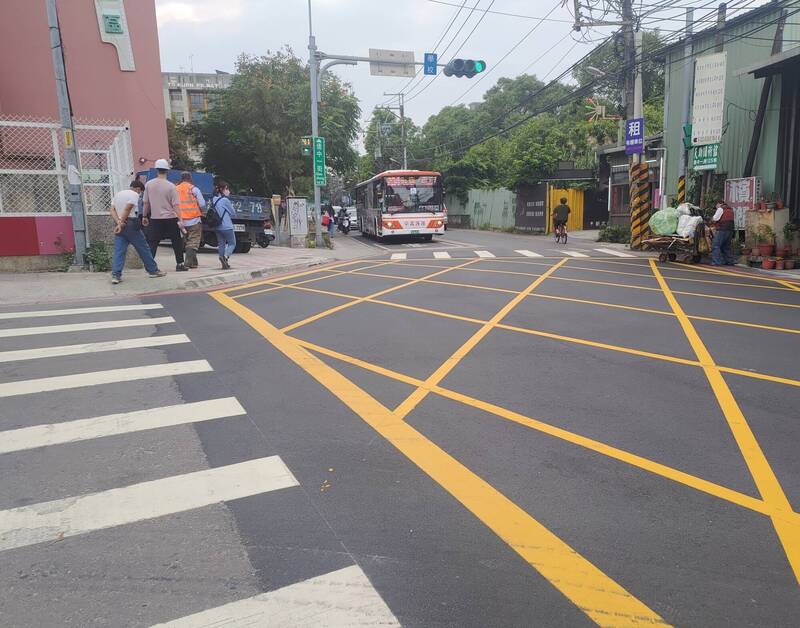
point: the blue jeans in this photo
(131, 234)
(721, 249)
(226, 242)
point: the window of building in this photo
(198, 116)
(178, 117)
(197, 101)
(175, 96)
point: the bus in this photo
(402, 203)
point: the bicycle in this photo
(561, 233)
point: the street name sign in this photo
(319, 161)
(705, 157)
(396, 62)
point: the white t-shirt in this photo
(123, 198)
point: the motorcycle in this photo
(266, 236)
(344, 224)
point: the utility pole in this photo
(313, 63)
(688, 68)
(74, 194)
(629, 58)
(401, 110)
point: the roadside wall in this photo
(492, 208)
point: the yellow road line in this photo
(316, 269)
(601, 598)
(651, 466)
(380, 293)
(579, 341)
(719, 271)
(439, 374)
(790, 285)
(763, 475)
(716, 296)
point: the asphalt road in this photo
(511, 434)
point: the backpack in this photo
(213, 217)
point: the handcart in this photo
(669, 247)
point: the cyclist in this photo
(560, 215)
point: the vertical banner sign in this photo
(709, 99)
(634, 136)
(297, 209)
(431, 59)
(741, 195)
(319, 161)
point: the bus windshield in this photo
(410, 194)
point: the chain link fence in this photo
(33, 174)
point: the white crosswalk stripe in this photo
(65, 382)
(340, 598)
(81, 310)
(63, 329)
(615, 253)
(441, 255)
(399, 255)
(62, 518)
(484, 254)
(574, 253)
(114, 424)
(526, 253)
(92, 347)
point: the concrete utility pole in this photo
(401, 111)
(688, 75)
(74, 194)
(313, 64)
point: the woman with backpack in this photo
(220, 218)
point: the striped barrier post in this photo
(681, 189)
(639, 203)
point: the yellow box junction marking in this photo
(763, 475)
(601, 598)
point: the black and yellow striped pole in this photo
(639, 203)
(681, 189)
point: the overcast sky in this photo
(207, 35)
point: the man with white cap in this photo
(162, 213)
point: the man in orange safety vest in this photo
(191, 203)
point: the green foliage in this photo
(620, 234)
(789, 229)
(252, 135)
(383, 141)
(179, 137)
(98, 254)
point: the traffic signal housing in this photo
(464, 67)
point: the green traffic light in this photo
(480, 66)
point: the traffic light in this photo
(464, 67)
(305, 145)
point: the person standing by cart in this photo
(191, 205)
(723, 222)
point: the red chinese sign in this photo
(741, 195)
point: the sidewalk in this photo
(18, 288)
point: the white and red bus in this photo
(402, 203)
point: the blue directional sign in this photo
(634, 136)
(430, 62)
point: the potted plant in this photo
(778, 203)
(768, 263)
(788, 263)
(766, 240)
(770, 203)
(779, 263)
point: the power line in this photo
(517, 15)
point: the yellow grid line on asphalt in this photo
(459, 354)
(592, 591)
(681, 477)
(764, 477)
(719, 271)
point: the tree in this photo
(252, 136)
(383, 141)
(179, 137)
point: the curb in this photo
(247, 275)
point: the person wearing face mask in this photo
(226, 236)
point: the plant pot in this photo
(769, 264)
(784, 251)
(788, 264)
(766, 250)
(746, 251)
(779, 264)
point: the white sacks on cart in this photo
(687, 225)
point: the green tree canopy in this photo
(252, 136)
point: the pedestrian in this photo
(331, 223)
(226, 236)
(723, 221)
(128, 230)
(162, 214)
(191, 205)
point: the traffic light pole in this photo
(313, 62)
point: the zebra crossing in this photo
(599, 252)
(40, 421)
